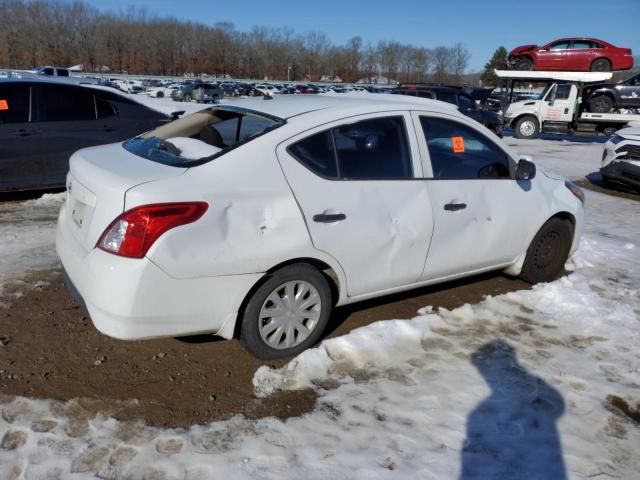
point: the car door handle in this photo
(329, 217)
(453, 207)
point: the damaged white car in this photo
(258, 221)
(621, 158)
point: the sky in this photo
(481, 25)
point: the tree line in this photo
(135, 41)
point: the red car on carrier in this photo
(578, 54)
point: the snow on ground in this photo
(570, 156)
(28, 234)
(512, 387)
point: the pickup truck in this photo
(560, 107)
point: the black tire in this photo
(548, 251)
(215, 99)
(601, 65)
(159, 95)
(527, 127)
(250, 336)
(601, 104)
(186, 97)
(524, 64)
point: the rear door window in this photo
(317, 154)
(582, 45)
(373, 149)
(14, 103)
(457, 151)
(62, 103)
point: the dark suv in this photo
(604, 98)
(466, 101)
(199, 91)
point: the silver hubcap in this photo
(527, 128)
(289, 314)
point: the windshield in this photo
(202, 136)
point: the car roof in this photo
(287, 107)
(591, 39)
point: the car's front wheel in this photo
(524, 64)
(287, 313)
(527, 127)
(548, 251)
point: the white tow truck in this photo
(559, 108)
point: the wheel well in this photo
(601, 58)
(570, 218)
(520, 117)
(603, 93)
(324, 268)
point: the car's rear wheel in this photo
(186, 97)
(287, 313)
(601, 65)
(601, 104)
(527, 127)
(548, 251)
(159, 94)
(524, 64)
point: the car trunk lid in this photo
(97, 183)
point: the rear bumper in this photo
(132, 299)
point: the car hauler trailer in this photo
(559, 109)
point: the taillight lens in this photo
(133, 232)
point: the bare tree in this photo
(37, 32)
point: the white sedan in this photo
(257, 220)
(621, 158)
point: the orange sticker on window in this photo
(4, 105)
(458, 144)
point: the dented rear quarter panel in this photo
(253, 222)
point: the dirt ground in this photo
(50, 349)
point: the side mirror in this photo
(176, 115)
(525, 170)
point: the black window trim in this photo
(335, 124)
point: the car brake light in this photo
(133, 232)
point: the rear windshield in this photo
(202, 136)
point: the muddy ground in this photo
(50, 349)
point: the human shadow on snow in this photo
(512, 433)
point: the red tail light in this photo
(133, 232)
